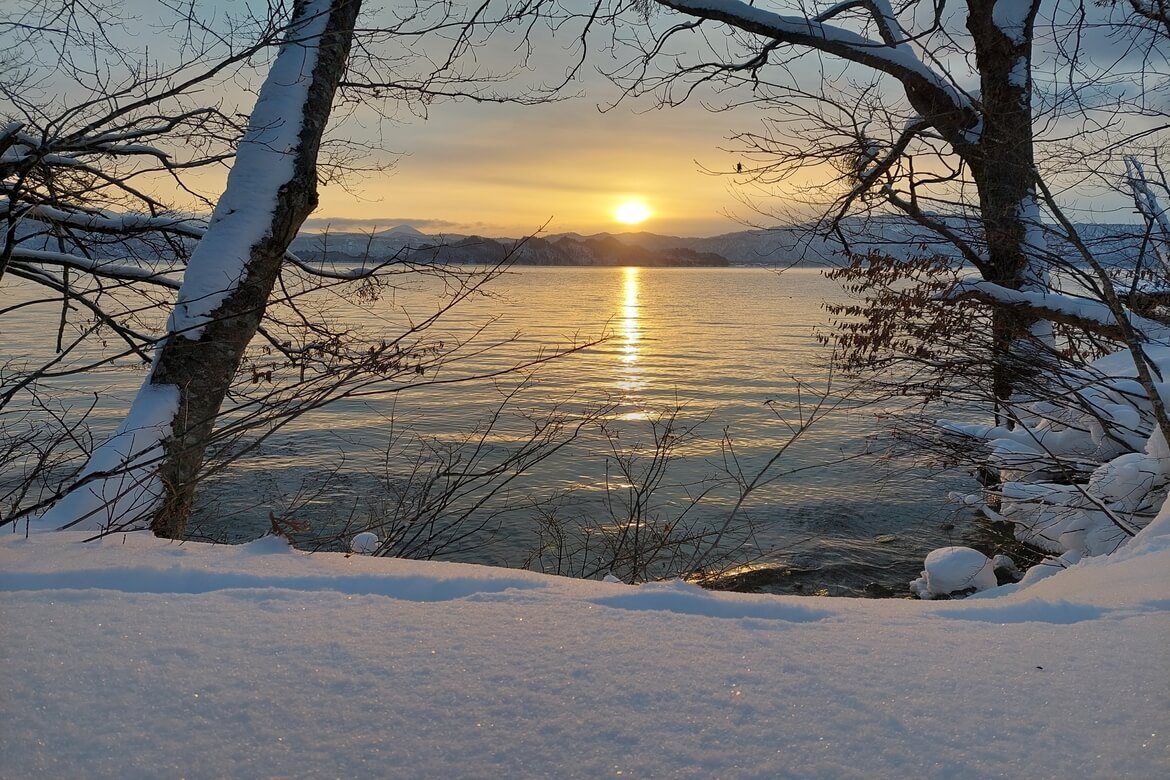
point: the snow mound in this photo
(954, 570)
(364, 543)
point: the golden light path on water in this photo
(631, 379)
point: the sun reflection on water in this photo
(630, 378)
(631, 332)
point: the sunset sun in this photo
(632, 211)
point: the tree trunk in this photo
(1003, 167)
(203, 367)
(146, 473)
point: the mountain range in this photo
(563, 249)
(776, 247)
(797, 245)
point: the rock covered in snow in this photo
(365, 543)
(1005, 569)
(951, 570)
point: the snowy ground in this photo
(137, 658)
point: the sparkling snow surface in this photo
(134, 657)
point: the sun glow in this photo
(632, 211)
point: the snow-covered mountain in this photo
(796, 245)
(603, 250)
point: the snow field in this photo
(134, 657)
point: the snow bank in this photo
(1082, 471)
(134, 657)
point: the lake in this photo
(727, 355)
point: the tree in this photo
(227, 283)
(933, 115)
(942, 115)
(81, 223)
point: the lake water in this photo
(733, 350)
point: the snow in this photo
(1084, 470)
(1011, 16)
(954, 570)
(264, 163)
(1019, 76)
(98, 267)
(364, 543)
(119, 485)
(1087, 309)
(134, 657)
(1150, 207)
(109, 221)
(1035, 246)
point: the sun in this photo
(632, 211)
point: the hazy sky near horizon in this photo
(506, 170)
(512, 170)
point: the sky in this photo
(513, 170)
(510, 170)
(567, 166)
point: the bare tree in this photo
(931, 112)
(83, 222)
(905, 153)
(974, 123)
(227, 282)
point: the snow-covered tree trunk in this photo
(146, 473)
(992, 131)
(1003, 167)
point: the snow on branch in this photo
(1093, 316)
(102, 221)
(1155, 214)
(123, 224)
(883, 16)
(892, 54)
(107, 268)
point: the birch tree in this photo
(70, 180)
(148, 468)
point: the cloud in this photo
(349, 224)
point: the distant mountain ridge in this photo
(798, 245)
(408, 243)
